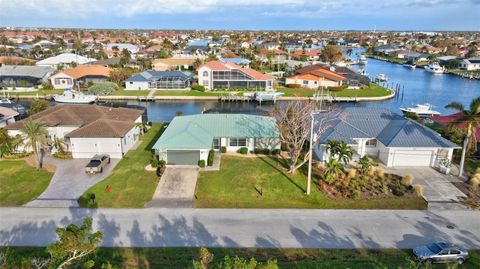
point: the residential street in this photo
(247, 228)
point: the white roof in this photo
(65, 58)
(6, 112)
(121, 46)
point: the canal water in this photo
(417, 86)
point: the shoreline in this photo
(211, 98)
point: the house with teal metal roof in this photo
(188, 139)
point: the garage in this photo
(183, 157)
(412, 158)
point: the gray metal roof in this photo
(152, 75)
(25, 71)
(389, 128)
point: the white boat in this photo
(422, 110)
(5, 101)
(434, 68)
(73, 97)
(362, 60)
(381, 78)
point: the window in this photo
(216, 143)
(205, 83)
(238, 142)
(131, 82)
(454, 251)
(371, 143)
(205, 73)
(305, 82)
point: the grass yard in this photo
(297, 92)
(131, 185)
(373, 90)
(21, 183)
(240, 180)
(180, 258)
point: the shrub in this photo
(154, 161)
(380, 173)
(197, 87)
(257, 151)
(223, 149)
(62, 156)
(211, 157)
(474, 182)
(352, 174)
(275, 151)
(294, 86)
(243, 150)
(162, 163)
(418, 190)
(407, 180)
(201, 163)
(337, 89)
(104, 88)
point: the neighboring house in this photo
(382, 134)
(311, 54)
(23, 76)
(173, 64)
(447, 120)
(386, 49)
(314, 76)
(160, 80)
(121, 46)
(215, 74)
(239, 61)
(65, 60)
(89, 129)
(7, 116)
(80, 76)
(188, 139)
(13, 60)
(470, 64)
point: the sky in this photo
(461, 15)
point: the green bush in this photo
(257, 151)
(63, 156)
(201, 163)
(275, 151)
(104, 88)
(211, 157)
(154, 161)
(243, 150)
(294, 86)
(223, 149)
(197, 87)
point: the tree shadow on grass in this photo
(163, 127)
(281, 162)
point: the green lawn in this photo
(33, 93)
(373, 90)
(234, 186)
(472, 165)
(21, 183)
(131, 185)
(180, 258)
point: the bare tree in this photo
(40, 263)
(293, 122)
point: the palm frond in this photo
(475, 106)
(456, 106)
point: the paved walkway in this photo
(282, 228)
(69, 182)
(176, 187)
(438, 189)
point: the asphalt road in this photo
(152, 227)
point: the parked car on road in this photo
(441, 252)
(97, 163)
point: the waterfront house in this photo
(470, 64)
(80, 76)
(315, 76)
(389, 137)
(215, 75)
(188, 139)
(65, 60)
(23, 76)
(88, 129)
(160, 80)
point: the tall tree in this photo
(331, 54)
(471, 119)
(35, 137)
(75, 243)
(37, 106)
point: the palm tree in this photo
(470, 118)
(364, 165)
(332, 169)
(344, 153)
(332, 147)
(35, 135)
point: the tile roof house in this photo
(160, 80)
(23, 76)
(216, 74)
(314, 76)
(173, 64)
(393, 139)
(89, 129)
(80, 76)
(188, 139)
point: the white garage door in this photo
(412, 157)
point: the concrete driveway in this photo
(176, 187)
(438, 189)
(69, 182)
